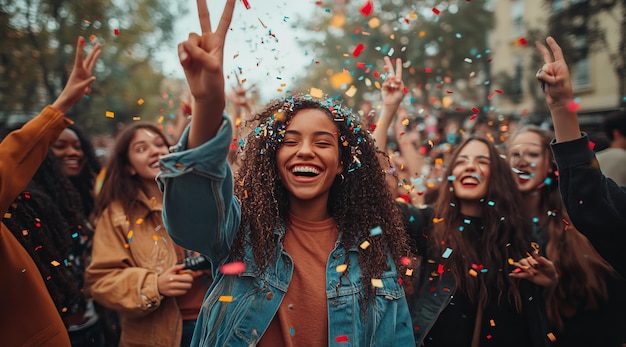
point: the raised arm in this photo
(557, 85)
(202, 58)
(392, 94)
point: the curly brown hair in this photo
(506, 233)
(359, 201)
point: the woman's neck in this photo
(151, 189)
(532, 200)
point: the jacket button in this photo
(269, 296)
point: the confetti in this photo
(246, 4)
(234, 268)
(139, 221)
(492, 322)
(351, 91)
(473, 272)
(405, 261)
(55, 263)
(316, 93)
(366, 10)
(551, 337)
(376, 231)
(341, 268)
(364, 245)
(109, 114)
(140, 102)
(446, 253)
(226, 298)
(342, 338)
(437, 220)
(436, 11)
(116, 32)
(358, 49)
(377, 283)
(573, 106)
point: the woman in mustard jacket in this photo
(28, 316)
(134, 268)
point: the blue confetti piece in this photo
(376, 231)
(461, 228)
(491, 203)
(467, 221)
(547, 181)
(411, 219)
(446, 253)
(535, 220)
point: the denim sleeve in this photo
(200, 211)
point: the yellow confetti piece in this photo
(492, 322)
(316, 92)
(140, 102)
(438, 161)
(376, 282)
(136, 118)
(126, 245)
(351, 91)
(7, 215)
(130, 234)
(341, 268)
(109, 114)
(245, 193)
(511, 261)
(280, 116)
(24, 232)
(139, 221)
(551, 337)
(405, 121)
(226, 298)
(345, 143)
(365, 244)
(160, 120)
(155, 237)
(64, 309)
(437, 220)
(409, 272)
(339, 79)
(374, 23)
(377, 84)
(55, 263)
(473, 272)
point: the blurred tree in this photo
(578, 30)
(443, 46)
(37, 51)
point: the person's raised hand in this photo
(202, 56)
(174, 281)
(554, 75)
(79, 82)
(393, 88)
(536, 269)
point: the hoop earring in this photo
(342, 179)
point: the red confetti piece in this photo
(232, 147)
(522, 41)
(359, 48)
(428, 70)
(246, 4)
(360, 65)
(366, 10)
(234, 268)
(475, 110)
(436, 11)
(592, 145)
(342, 338)
(440, 268)
(376, 74)
(573, 106)
(405, 261)
(116, 32)
(472, 117)
(491, 95)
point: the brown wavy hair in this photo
(505, 235)
(359, 201)
(583, 272)
(119, 184)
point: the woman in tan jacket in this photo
(28, 316)
(135, 266)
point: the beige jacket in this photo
(127, 257)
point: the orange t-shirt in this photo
(302, 318)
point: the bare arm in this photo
(392, 94)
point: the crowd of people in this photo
(318, 225)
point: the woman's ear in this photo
(132, 171)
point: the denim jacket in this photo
(201, 212)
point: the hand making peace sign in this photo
(393, 88)
(554, 75)
(202, 58)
